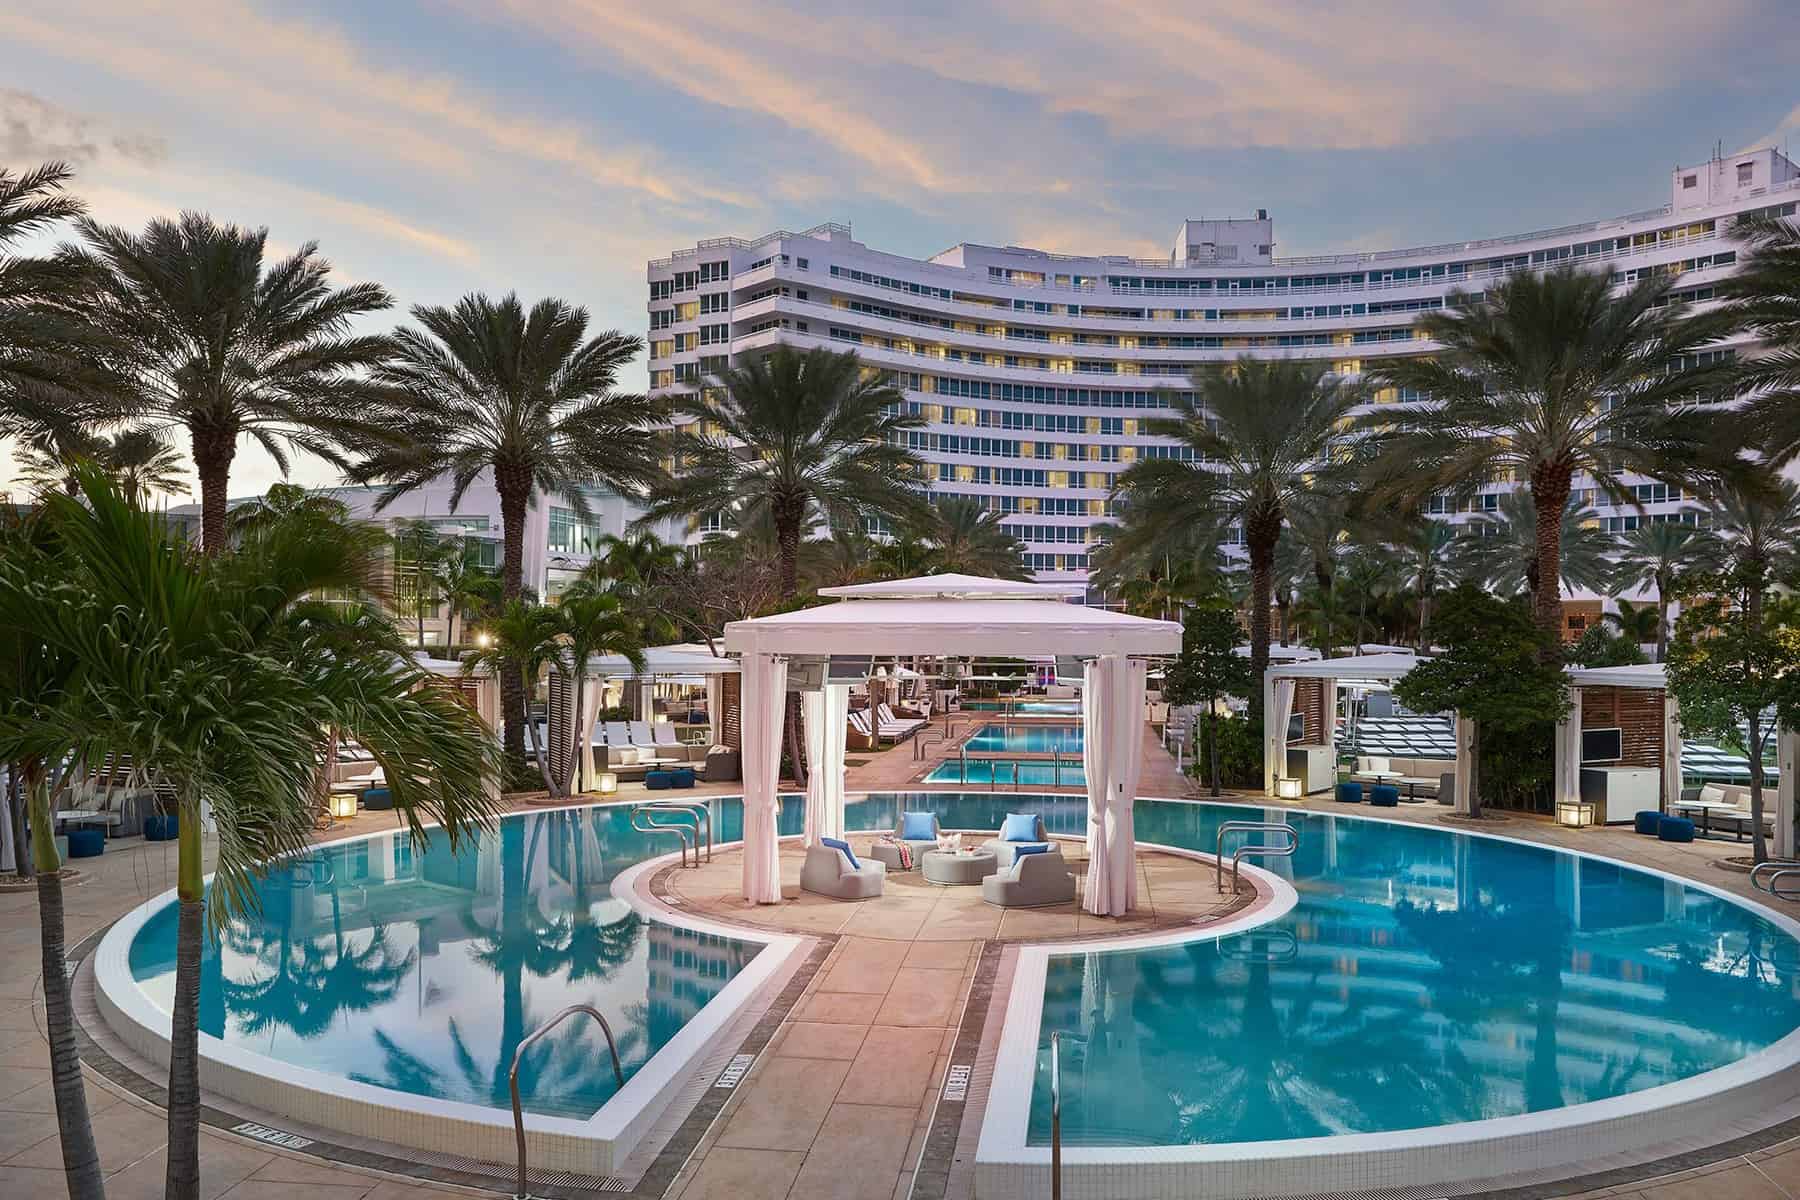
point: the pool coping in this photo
(591, 1146)
(1007, 1168)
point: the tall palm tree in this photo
(1548, 376)
(590, 623)
(525, 397)
(281, 502)
(47, 391)
(521, 642)
(142, 460)
(1501, 552)
(1660, 556)
(795, 436)
(420, 553)
(968, 539)
(1260, 432)
(469, 590)
(244, 673)
(1636, 623)
(202, 334)
(1762, 297)
(1424, 548)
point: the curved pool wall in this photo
(1437, 1006)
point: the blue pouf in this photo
(1647, 821)
(378, 799)
(1675, 829)
(162, 827)
(86, 843)
(681, 777)
(1384, 795)
(1349, 793)
(659, 781)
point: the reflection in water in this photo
(1424, 978)
(401, 964)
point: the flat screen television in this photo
(1602, 745)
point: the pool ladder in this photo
(1258, 851)
(1056, 1116)
(512, 1077)
(689, 830)
(1778, 869)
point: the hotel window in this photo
(1744, 173)
(661, 289)
(713, 335)
(714, 272)
(662, 349)
(715, 302)
(662, 379)
(1688, 181)
(687, 281)
(661, 318)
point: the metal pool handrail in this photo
(700, 809)
(1263, 851)
(1774, 864)
(1056, 1116)
(512, 1077)
(680, 831)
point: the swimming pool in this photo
(1423, 978)
(1026, 739)
(1065, 708)
(1009, 771)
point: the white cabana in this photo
(1358, 670)
(691, 663)
(961, 616)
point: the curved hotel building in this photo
(1034, 371)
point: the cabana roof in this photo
(1637, 675)
(1356, 666)
(944, 625)
(686, 659)
(951, 586)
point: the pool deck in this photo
(844, 1101)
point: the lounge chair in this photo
(926, 830)
(1034, 879)
(665, 734)
(859, 736)
(1005, 847)
(905, 726)
(833, 870)
(868, 727)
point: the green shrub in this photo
(1240, 753)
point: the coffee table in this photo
(957, 868)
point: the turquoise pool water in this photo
(1009, 771)
(1064, 708)
(1026, 739)
(1424, 978)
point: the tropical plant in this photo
(526, 398)
(1259, 432)
(140, 459)
(589, 623)
(1600, 646)
(1661, 556)
(469, 590)
(520, 644)
(199, 333)
(420, 555)
(795, 437)
(1549, 375)
(1636, 623)
(1501, 552)
(967, 538)
(1208, 670)
(1762, 298)
(1479, 639)
(636, 570)
(244, 673)
(281, 502)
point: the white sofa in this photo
(1418, 776)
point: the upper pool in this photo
(1026, 739)
(1425, 977)
(1065, 708)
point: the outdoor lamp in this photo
(483, 640)
(343, 805)
(1287, 789)
(1576, 814)
(608, 783)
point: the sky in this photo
(553, 146)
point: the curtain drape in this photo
(487, 707)
(592, 689)
(827, 713)
(1112, 750)
(1671, 763)
(764, 704)
(1568, 752)
(1280, 711)
(715, 707)
(1787, 762)
(1465, 744)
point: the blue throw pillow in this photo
(840, 844)
(917, 827)
(1019, 827)
(1039, 848)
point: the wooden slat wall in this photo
(1638, 714)
(1309, 702)
(731, 696)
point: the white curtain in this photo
(1329, 696)
(1280, 708)
(827, 713)
(592, 689)
(487, 707)
(764, 702)
(1787, 761)
(646, 698)
(1112, 754)
(1568, 752)
(1465, 759)
(1671, 763)
(715, 707)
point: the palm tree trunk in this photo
(214, 448)
(182, 1181)
(1662, 618)
(81, 1161)
(1753, 612)
(787, 542)
(1550, 494)
(1424, 618)
(514, 487)
(1261, 532)
(15, 812)
(1283, 602)
(1475, 769)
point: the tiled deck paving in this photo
(840, 1103)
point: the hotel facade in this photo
(1034, 372)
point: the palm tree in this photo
(1547, 376)
(521, 643)
(1501, 552)
(1637, 624)
(525, 397)
(46, 388)
(281, 502)
(795, 436)
(469, 590)
(420, 553)
(140, 459)
(968, 539)
(1424, 548)
(1260, 432)
(1762, 297)
(201, 334)
(589, 623)
(1660, 555)
(841, 558)
(244, 672)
